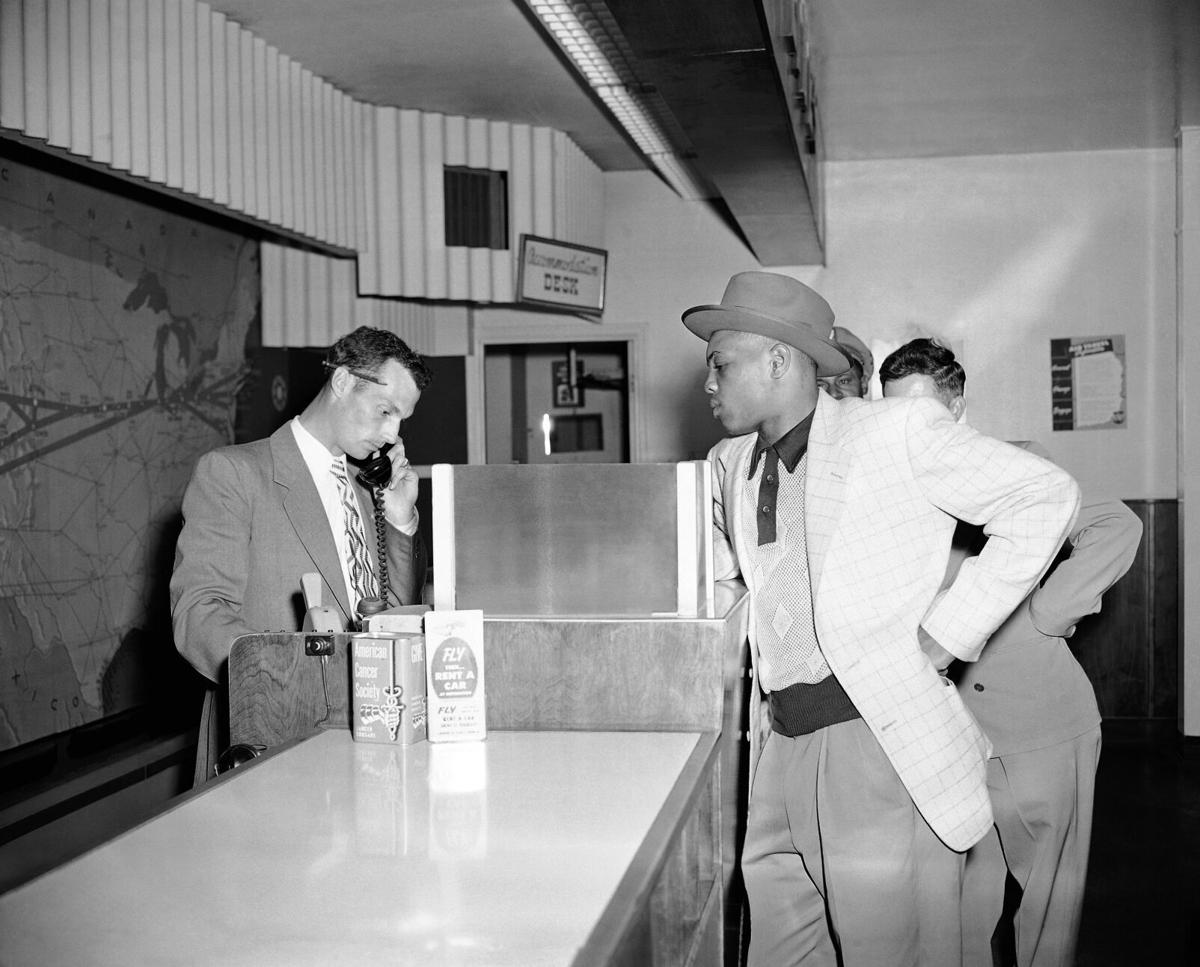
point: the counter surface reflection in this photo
(334, 852)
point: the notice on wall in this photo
(1087, 383)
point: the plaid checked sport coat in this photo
(885, 483)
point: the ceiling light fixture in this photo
(590, 37)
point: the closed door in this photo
(539, 411)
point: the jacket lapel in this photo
(825, 484)
(303, 507)
(735, 497)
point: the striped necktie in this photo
(360, 562)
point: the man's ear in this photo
(780, 359)
(340, 381)
(958, 406)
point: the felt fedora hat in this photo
(778, 307)
(856, 349)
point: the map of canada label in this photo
(453, 670)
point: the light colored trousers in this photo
(1042, 801)
(838, 859)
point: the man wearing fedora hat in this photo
(854, 381)
(868, 775)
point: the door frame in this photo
(546, 332)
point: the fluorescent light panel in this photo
(598, 55)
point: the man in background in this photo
(1035, 703)
(259, 515)
(854, 382)
(868, 775)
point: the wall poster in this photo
(1087, 383)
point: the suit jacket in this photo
(1027, 691)
(253, 524)
(885, 482)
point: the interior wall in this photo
(997, 254)
(665, 255)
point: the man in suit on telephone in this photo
(257, 516)
(868, 776)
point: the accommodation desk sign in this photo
(561, 275)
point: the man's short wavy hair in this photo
(365, 350)
(926, 357)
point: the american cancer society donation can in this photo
(387, 679)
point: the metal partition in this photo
(581, 540)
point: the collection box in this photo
(387, 673)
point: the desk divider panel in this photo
(573, 539)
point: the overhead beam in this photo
(718, 71)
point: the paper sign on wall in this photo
(1087, 383)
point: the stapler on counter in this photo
(318, 617)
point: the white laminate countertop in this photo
(503, 852)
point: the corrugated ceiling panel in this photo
(37, 109)
(387, 203)
(81, 77)
(431, 214)
(119, 67)
(366, 193)
(501, 261)
(309, 299)
(172, 42)
(189, 53)
(204, 103)
(100, 82)
(12, 65)
(58, 73)
(220, 108)
(543, 182)
(410, 174)
(156, 96)
(183, 97)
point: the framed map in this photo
(122, 340)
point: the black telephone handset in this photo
(375, 473)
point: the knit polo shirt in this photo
(774, 509)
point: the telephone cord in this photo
(381, 539)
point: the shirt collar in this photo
(790, 447)
(315, 453)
